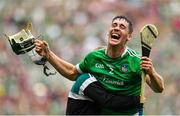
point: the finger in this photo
(45, 43)
(38, 50)
(146, 62)
(38, 41)
(145, 68)
(146, 65)
(37, 47)
(37, 44)
(145, 58)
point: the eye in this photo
(114, 24)
(122, 26)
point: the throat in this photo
(114, 52)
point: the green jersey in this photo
(121, 75)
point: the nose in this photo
(116, 28)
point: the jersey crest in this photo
(124, 68)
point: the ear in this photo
(129, 37)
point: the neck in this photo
(115, 51)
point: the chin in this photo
(113, 43)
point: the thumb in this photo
(46, 49)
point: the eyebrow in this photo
(120, 24)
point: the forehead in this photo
(121, 20)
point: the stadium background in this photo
(73, 28)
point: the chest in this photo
(121, 68)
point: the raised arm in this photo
(66, 69)
(153, 79)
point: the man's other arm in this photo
(65, 68)
(153, 79)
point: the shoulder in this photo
(134, 58)
(132, 53)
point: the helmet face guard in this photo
(22, 42)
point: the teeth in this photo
(114, 34)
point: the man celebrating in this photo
(108, 80)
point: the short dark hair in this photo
(127, 19)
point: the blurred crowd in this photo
(73, 28)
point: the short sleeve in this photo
(84, 64)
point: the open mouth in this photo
(115, 36)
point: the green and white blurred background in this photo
(73, 28)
